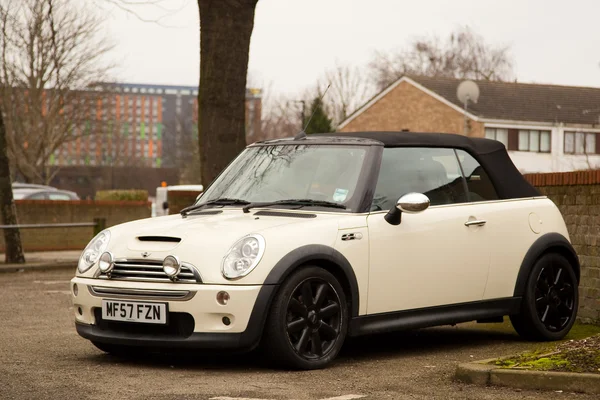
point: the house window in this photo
(581, 143)
(534, 141)
(498, 134)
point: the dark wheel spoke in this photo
(320, 295)
(543, 282)
(301, 345)
(329, 310)
(545, 314)
(298, 307)
(566, 292)
(307, 294)
(316, 345)
(328, 332)
(559, 278)
(296, 325)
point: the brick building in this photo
(142, 125)
(546, 128)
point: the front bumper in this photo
(196, 320)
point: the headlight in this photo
(93, 250)
(243, 256)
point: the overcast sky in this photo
(294, 41)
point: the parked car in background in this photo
(160, 205)
(302, 242)
(20, 185)
(44, 194)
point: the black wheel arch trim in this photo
(547, 242)
(315, 253)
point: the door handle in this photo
(477, 222)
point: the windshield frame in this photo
(365, 186)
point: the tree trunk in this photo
(8, 212)
(225, 30)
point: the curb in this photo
(39, 266)
(483, 373)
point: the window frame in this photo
(585, 135)
(495, 132)
(540, 133)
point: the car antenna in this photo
(302, 134)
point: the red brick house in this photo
(546, 128)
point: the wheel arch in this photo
(548, 243)
(322, 256)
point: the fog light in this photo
(171, 266)
(222, 298)
(226, 321)
(106, 262)
(75, 289)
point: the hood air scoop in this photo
(164, 239)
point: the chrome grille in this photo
(150, 271)
(140, 294)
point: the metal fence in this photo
(99, 225)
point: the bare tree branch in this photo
(133, 8)
(52, 51)
(464, 55)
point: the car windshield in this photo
(287, 172)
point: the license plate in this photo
(133, 311)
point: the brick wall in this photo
(577, 195)
(45, 239)
(407, 107)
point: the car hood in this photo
(203, 239)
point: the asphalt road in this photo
(42, 357)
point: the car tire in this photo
(306, 334)
(549, 304)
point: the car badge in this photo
(146, 254)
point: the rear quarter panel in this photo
(515, 225)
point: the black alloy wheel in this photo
(554, 297)
(549, 304)
(307, 324)
(314, 318)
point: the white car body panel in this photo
(512, 237)
(430, 259)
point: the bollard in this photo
(100, 225)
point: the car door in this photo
(436, 257)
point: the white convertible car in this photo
(302, 242)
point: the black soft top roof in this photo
(414, 139)
(490, 154)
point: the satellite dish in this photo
(467, 91)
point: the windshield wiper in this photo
(295, 202)
(224, 201)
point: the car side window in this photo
(435, 172)
(37, 196)
(58, 196)
(479, 184)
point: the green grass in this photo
(546, 357)
(582, 331)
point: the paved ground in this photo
(41, 357)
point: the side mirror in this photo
(409, 203)
(165, 205)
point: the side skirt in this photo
(433, 316)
